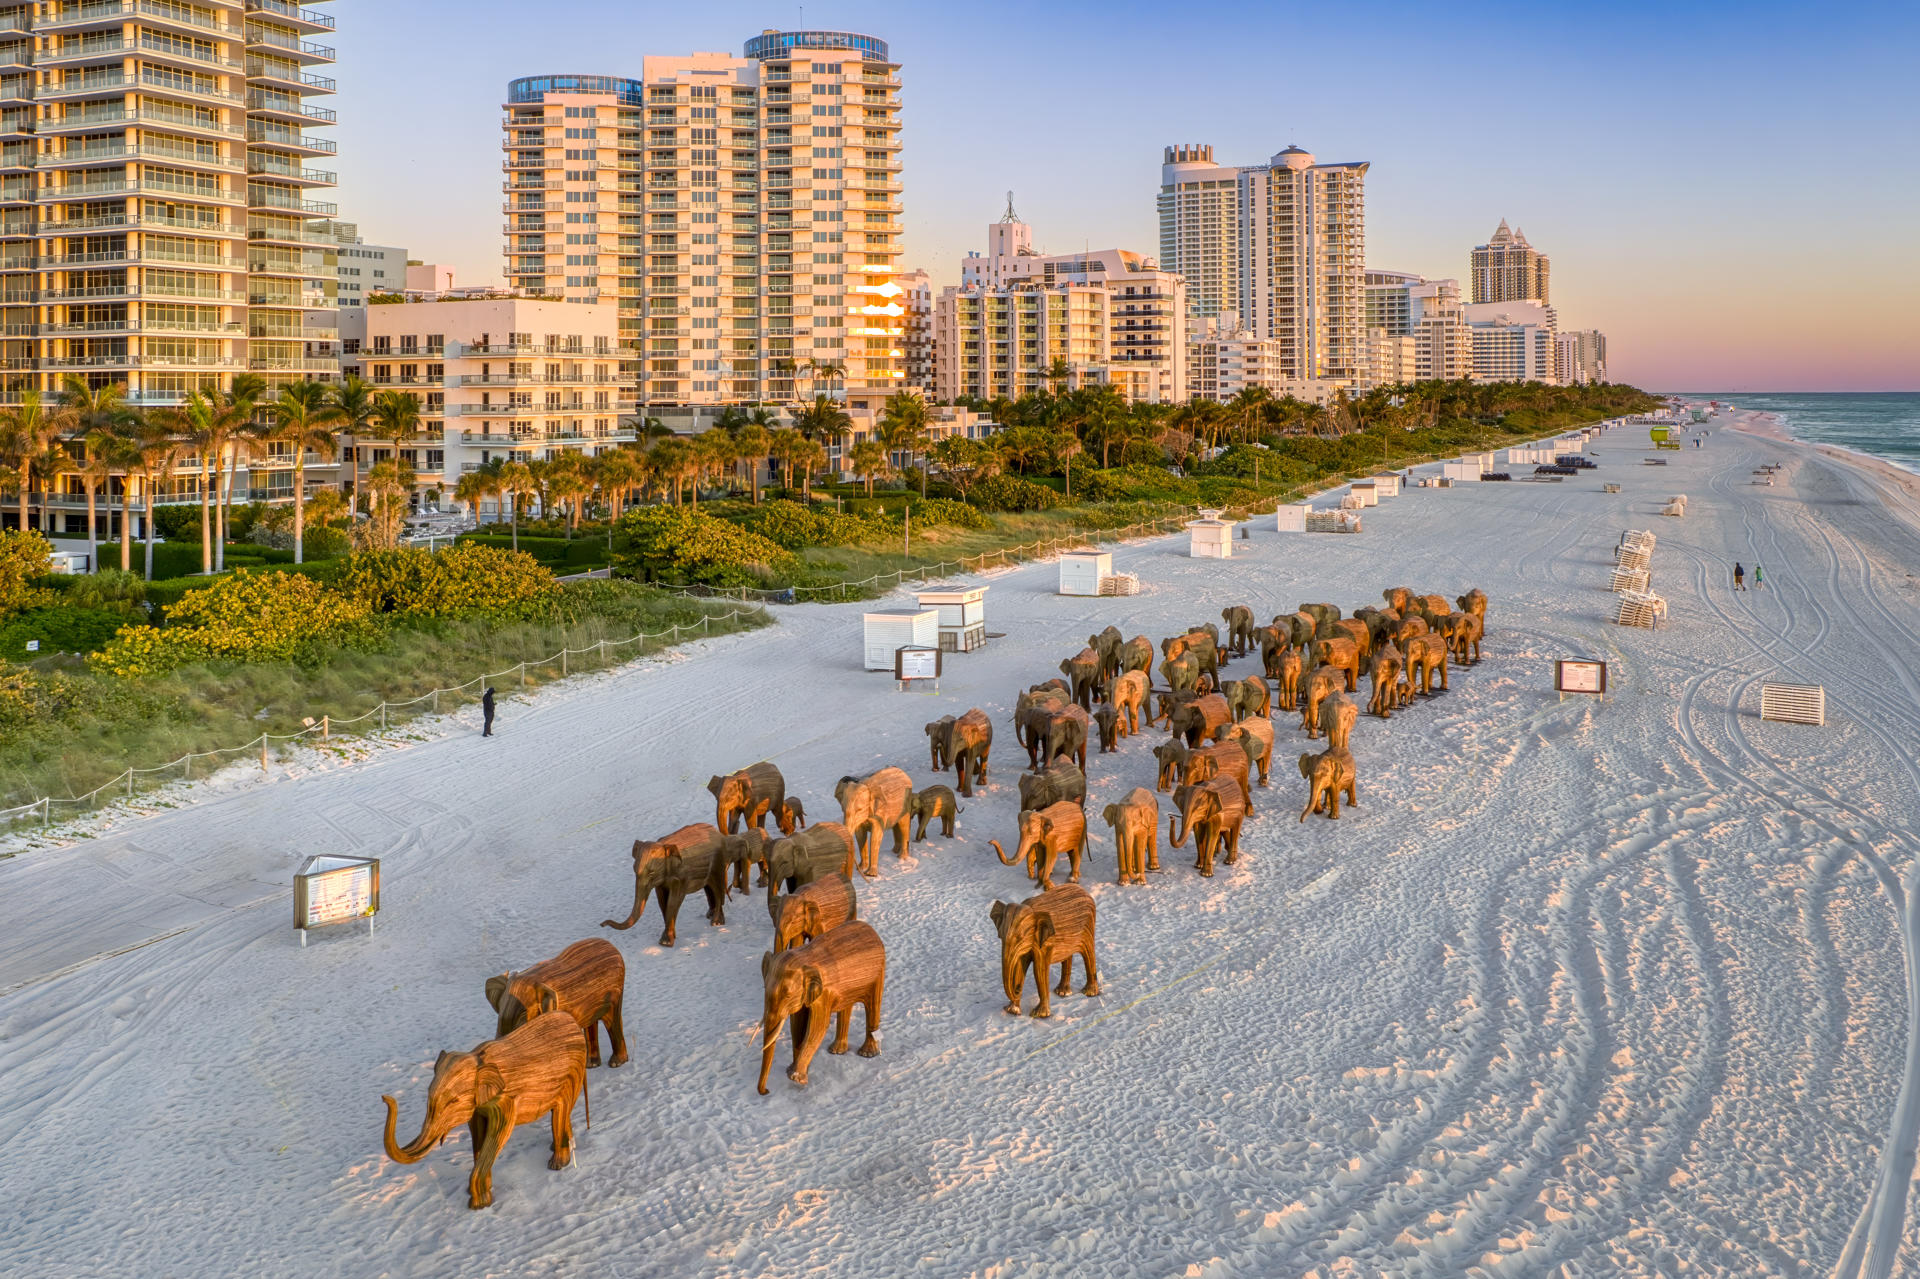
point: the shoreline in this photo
(1767, 426)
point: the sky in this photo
(1728, 191)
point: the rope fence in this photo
(322, 729)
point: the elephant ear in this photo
(766, 965)
(714, 784)
(999, 912)
(815, 988)
(545, 997)
(497, 989)
(488, 1085)
(1043, 931)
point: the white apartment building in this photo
(1022, 321)
(1513, 342)
(917, 292)
(363, 270)
(1224, 360)
(1581, 356)
(1393, 359)
(1292, 235)
(1508, 269)
(498, 377)
(743, 211)
(1401, 304)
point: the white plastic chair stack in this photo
(1629, 579)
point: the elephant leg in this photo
(1073, 858)
(592, 1029)
(616, 1035)
(870, 1047)
(1092, 986)
(1044, 1008)
(801, 1026)
(1019, 985)
(499, 1127)
(670, 899)
(562, 1122)
(1351, 801)
(920, 834)
(900, 835)
(716, 905)
(946, 826)
(1153, 846)
(1066, 976)
(842, 1024)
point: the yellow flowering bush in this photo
(464, 580)
(23, 557)
(249, 617)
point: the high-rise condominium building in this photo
(1404, 307)
(917, 292)
(363, 270)
(743, 211)
(1581, 356)
(1281, 245)
(1514, 342)
(1508, 269)
(1223, 361)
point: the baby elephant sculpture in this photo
(810, 985)
(871, 806)
(1062, 781)
(1044, 930)
(1328, 774)
(935, 803)
(673, 866)
(751, 794)
(1136, 831)
(587, 981)
(1044, 835)
(963, 745)
(539, 1069)
(1172, 760)
(1289, 678)
(814, 909)
(1127, 695)
(1107, 720)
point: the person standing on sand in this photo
(1759, 584)
(486, 708)
(1739, 578)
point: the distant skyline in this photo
(1728, 192)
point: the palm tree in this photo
(246, 437)
(209, 420)
(713, 453)
(570, 484)
(476, 486)
(395, 415)
(1066, 447)
(25, 434)
(516, 478)
(869, 460)
(903, 428)
(160, 451)
(672, 460)
(750, 444)
(809, 456)
(823, 419)
(305, 418)
(123, 455)
(354, 397)
(783, 446)
(96, 474)
(620, 472)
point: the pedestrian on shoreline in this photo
(1739, 578)
(1758, 583)
(486, 708)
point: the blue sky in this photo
(1729, 191)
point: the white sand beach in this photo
(1580, 989)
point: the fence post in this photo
(436, 701)
(523, 675)
(703, 623)
(46, 812)
(263, 754)
(563, 661)
(383, 717)
(129, 783)
(324, 727)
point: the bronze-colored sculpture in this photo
(1061, 782)
(1398, 597)
(751, 794)
(587, 981)
(1356, 630)
(1213, 812)
(1324, 682)
(1047, 929)
(1327, 774)
(1083, 670)
(1342, 653)
(1409, 626)
(1239, 620)
(1272, 642)
(1433, 603)
(812, 910)
(962, 744)
(745, 849)
(1136, 655)
(810, 985)
(933, 803)
(1107, 720)
(1466, 638)
(673, 866)
(1324, 616)
(870, 807)
(1289, 679)
(1171, 757)
(1426, 654)
(809, 855)
(937, 742)
(1181, 671)
(1303, 625)
(1385, 674)
(1127, 694)
(1222, 759)
(1249, 696)
(1044, 835)
(1201, 718)
(1107, 645)
(539, 1069)
(1256, 739)
(1136, 831)
(1475, 602)
(1065, 737)
(794, 817)
(1338, 715)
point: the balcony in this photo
(138, 151)
(309, 19)
(153, 114)
(288, 109)
(272, 74)
(290, 46)
(115, 47)
(271, 198)
(261, 166)
(107, 12)
(291, 140)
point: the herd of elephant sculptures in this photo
(826, 961)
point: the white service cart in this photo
(1081, 571)
(1386, 485)
(898, 628)
(1211, 538)
(963, 617)
(1290, 519)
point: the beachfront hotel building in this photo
(1417, 329)
(1514, 342)
(743, 214)
(1224, 360)
(1508, 269)
(917, 292)
(363, 270)
(156, 210)
(1581, 356)
(1280, 246)
(1021, 321)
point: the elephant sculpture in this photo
(1083, 670)
(1433, 603)
(1060, 782)
(1256, 739)
(1030, 729)
(1447, 626)
(871, 806)
(810, 985)
(1385, 674)
(750, 795)
(1289, 679)
(934, 803)
(1201, 718)
(937, 733)
(793, 814)
(1337, 717)
(1136, 655)
(1222, 759)
(1272, 642)
(1466, 638)
(812, 910)
(1343, 654)
(1249, 696)
(1213, 812)
(1398, 598)
(1409, 626)
(1127, 695)
(1356, 630)
(1065, 737)
(1475, 602)
(1379, 622)
(1204, 643)
(742, 850)
(962, 744)
(1046, 929)
(1328, 774)
(1182, 672)
(1302, 624)
(1136, 832)
(1107, 720)
(1325, 681)
(587, 981)
(1169, 702)
(1171, 757)
(1324, 616)
(539, 1069)
(809, 855)
(1106, 645)
(1239, 620)
(1045, 834)
(673, 866)
(1426, 654)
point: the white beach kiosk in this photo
(963, 617)
(894, 628)
(1081, 571)
(1386, 485)
(1210, 537)
(1365, 493)
(1461, 472)
(1290, 519)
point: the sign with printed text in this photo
(1580, 676)
(916, 663)
(335, 890)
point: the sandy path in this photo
(1579, 989)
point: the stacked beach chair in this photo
(1676, 505)
(1120, 584)
(1632, 569)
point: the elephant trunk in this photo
(416, 1150)
(771, 1033)
(639, 906)
(1001, 853)
(1176, 830)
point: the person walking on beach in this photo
(1739, 578)
(1759, 584)
(486, 708)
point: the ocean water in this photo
(1885, 424)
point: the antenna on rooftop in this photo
(1010, 215)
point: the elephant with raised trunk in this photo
(587, 981)
(1222, 759)
(1107, 646)
(871, 806)
(1213, 812)
(1083, 670)
(1044, 835)
(1136, 830)
(752, 794)
(1328, 774)
(962, 744)
(1047, 929)
(539, 1069)
(1062, 782)
(1239, 620)
(808, 986)
(673, 866)
(809, 855)
(813, 910)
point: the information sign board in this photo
(330, 889)
(911, 663)
(1579, 675)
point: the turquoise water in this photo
(1885, 424)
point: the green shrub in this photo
(23, 558)
(676, 541)
(179, 523)
(1142, 453)
(1011, 493)
(60, 630)
(247, 617)
(792, 526)
(935, 512)
(462, 581)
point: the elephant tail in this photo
(586, 1098)
(1001, 854)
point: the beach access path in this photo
(1580, 988)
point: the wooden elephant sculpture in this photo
(933, 803)
(1426, 654)
(1083, 670)
(1222, 759)
(809, 986)
(1213, 812)
(1328, 774)
(1127, 694)
(587, 981)
(1324, 616)
(1239, 620)
(1106, 645)
(1054, 695)
(1272, 642)
(1302, 625)
(937, 733)
(1256, 739)
(1136, 655)
(673, 866)
(539, 1069)
(1065, 737)
(1466, 638)
(1407, 628)
(752, 794)
(1181, 672)
(1385, 672)
(812, 910)
(1107, 720)
(1324, 682)
(1045, 834)
(793, 814)
(1432, 603)
(1343, 654)
(962, 744)
(1169, 702)
(745, 849)
(1398, 598)
(871, 806)
(812, 854)
(1030, 729)
(1356, 630)
(1136, 831)
(1201, 718)
(1447, 626)
(1475, 602)
(1380, 623)
(1249, 696)
(1337, 717)
(1046, 929)
(1061, 782)
(1171, 756)
(1289, 679)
